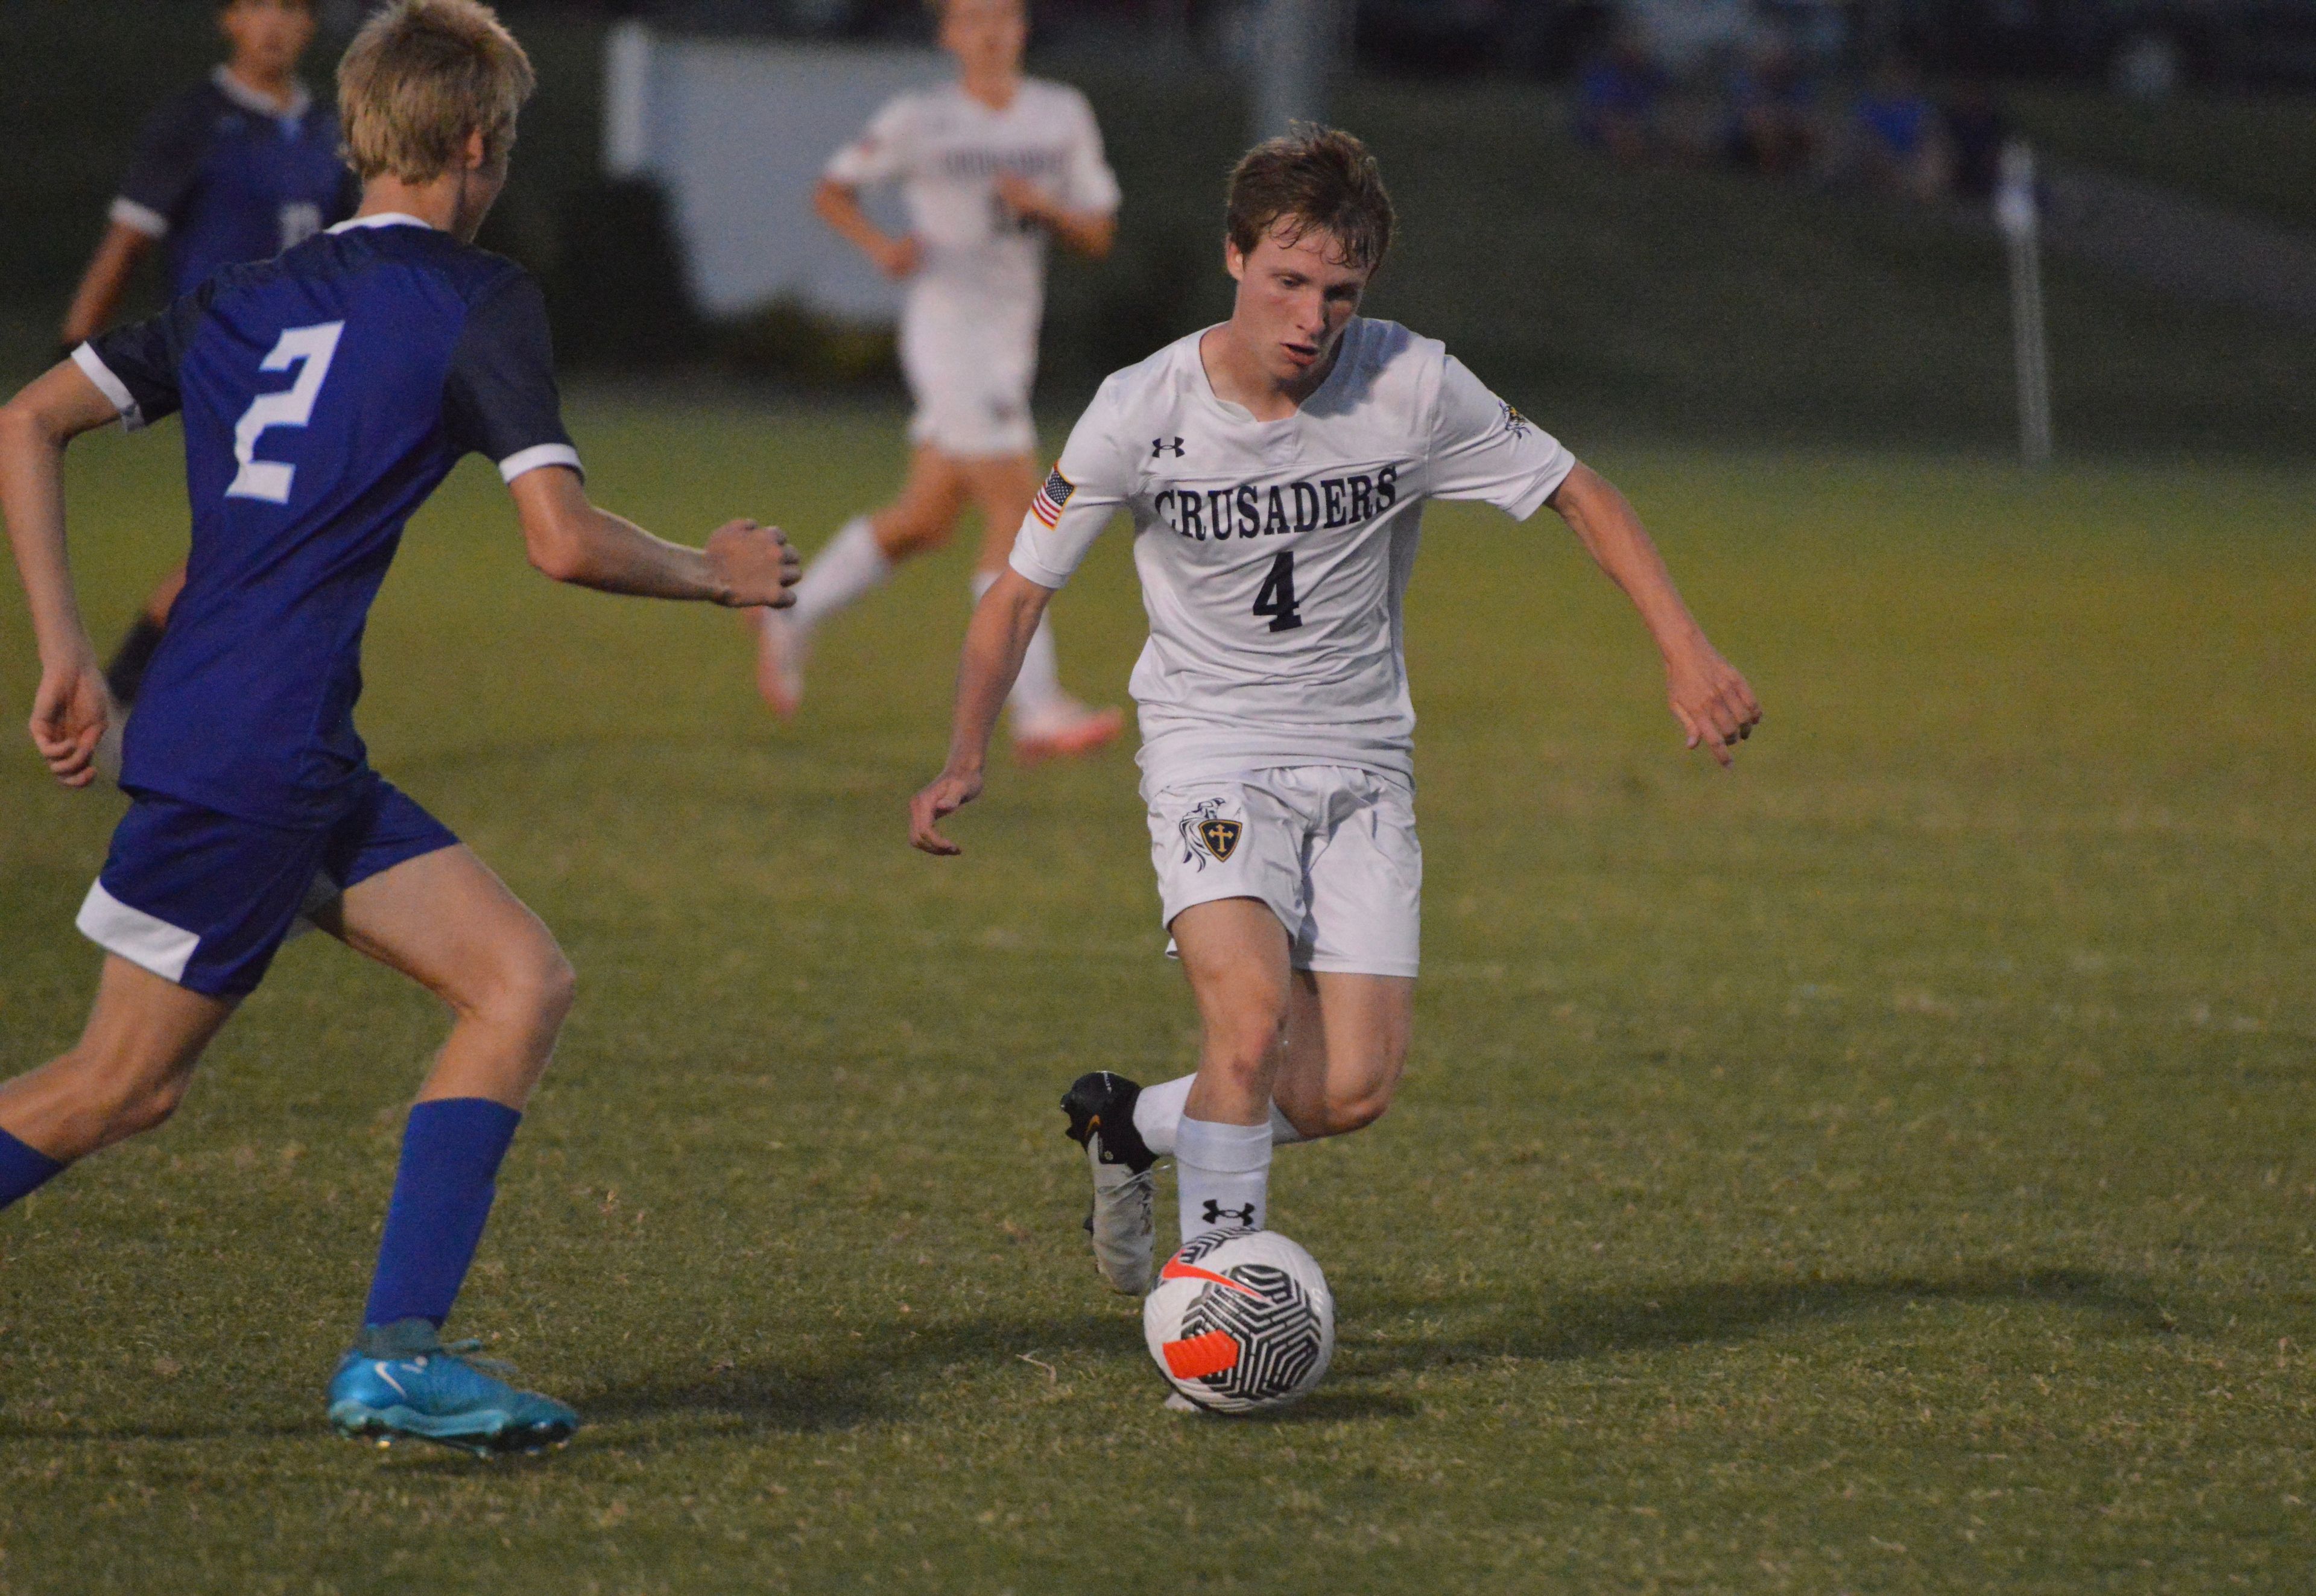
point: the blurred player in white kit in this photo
(990, 165)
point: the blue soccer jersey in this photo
(223, 176)
(326, 393)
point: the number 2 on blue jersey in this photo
(311, 351)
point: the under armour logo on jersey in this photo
(1215, 1213)
(1159, 446)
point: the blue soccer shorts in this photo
(205, 899)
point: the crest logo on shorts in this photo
(1206, 834)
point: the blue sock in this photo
(451, 1152)
(23, 1170)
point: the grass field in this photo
(1886, 1169)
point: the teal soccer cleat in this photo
(401, 1379)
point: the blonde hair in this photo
(423, 74)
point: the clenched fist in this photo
(754, 566)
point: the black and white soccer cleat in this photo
(1121, 1223)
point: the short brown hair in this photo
(1316, 179)
(420, 76)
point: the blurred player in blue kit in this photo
(326, 393)
(239, 167)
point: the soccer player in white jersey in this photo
(990, 165)
(1275, 469)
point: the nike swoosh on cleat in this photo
(391, 1380)
(1176, 1270)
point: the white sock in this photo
(1158, 1115)
(1038, 693)
(1282, 1129)
(849, 567)
(1223, 1174)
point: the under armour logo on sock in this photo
(1217, 1213)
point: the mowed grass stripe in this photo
(1881, 1170)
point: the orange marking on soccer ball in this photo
(1176, 1270)
(1201, 1356)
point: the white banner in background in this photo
(737, 134)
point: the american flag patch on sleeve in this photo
(1047, 505)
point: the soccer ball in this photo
(1240, 1321)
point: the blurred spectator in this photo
(1618, 98)
(1975, 129)
(1902, 146)
(1772, 111)
(1817, 29)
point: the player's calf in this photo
(1235, 951)
(1327, 1115)
(1347, 1044)
(99, 1103)
(1222, 1162)
(907, 530)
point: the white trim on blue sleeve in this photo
(144, 941)
(94, 369)
(142, 218)
(537, 455)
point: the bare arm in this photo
(1713, 702)
(839, 205)
(1090, 233)
(994, 643)
(570, 540)
(69, 707)
(104, 281)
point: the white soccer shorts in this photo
(972, 393)
(1331, 848)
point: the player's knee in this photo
(1245, 1053)
(532, 988)
(550, 985)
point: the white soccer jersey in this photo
(984, 276)
(1274, 555)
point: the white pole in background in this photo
(1295, 46)
(2016, 213)
(626, 101)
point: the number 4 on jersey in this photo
(1277, 597)
(311, 350)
